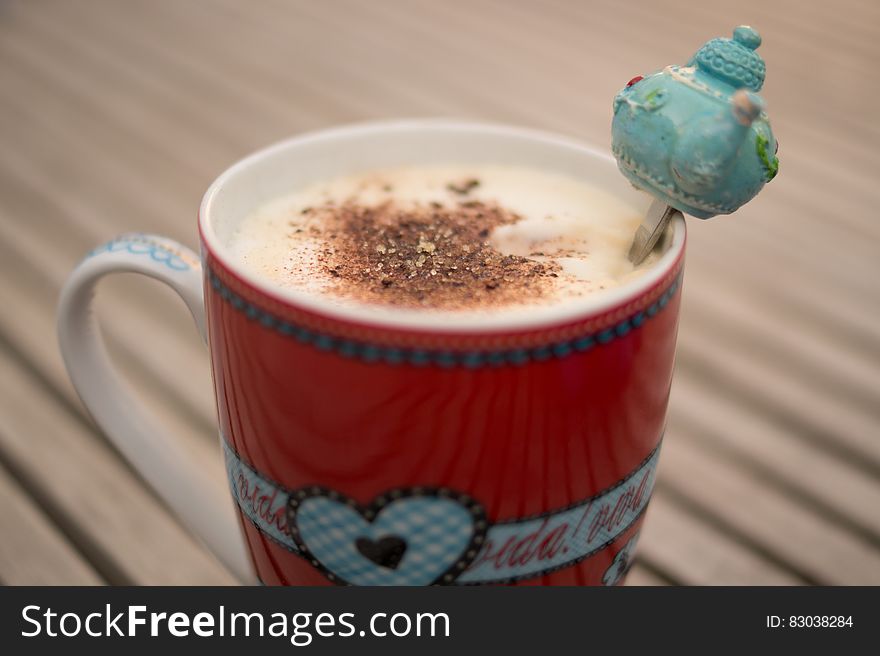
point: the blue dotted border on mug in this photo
(138, 244)
(443, 358)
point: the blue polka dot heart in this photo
(407, 536)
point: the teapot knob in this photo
(747, 36)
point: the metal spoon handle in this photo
(653, 225)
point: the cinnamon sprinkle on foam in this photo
(436, 255)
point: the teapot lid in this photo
(734, 60)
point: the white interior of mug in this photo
(290, 165)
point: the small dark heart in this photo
(385, 552)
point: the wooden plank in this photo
(128, 109)
(215, 76)
(128, 135)
(127, 330)
(133, 309)
(31, 331)
(756, 514)
(693, 552)
(58, 244)
(639, 575)
(834, 367)
(126, 534)
(791, 253)
(737, 433)
(793, 300)
(838, 426)
(117, 65)
(33, 551)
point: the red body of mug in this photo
(366, 454)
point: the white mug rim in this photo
(593, 304)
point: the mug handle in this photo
(177, 480)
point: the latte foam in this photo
(452, 239)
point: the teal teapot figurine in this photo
(696, 137)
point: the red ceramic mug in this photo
(372, 447)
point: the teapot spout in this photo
(704, 154)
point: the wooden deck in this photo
(115, 116)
